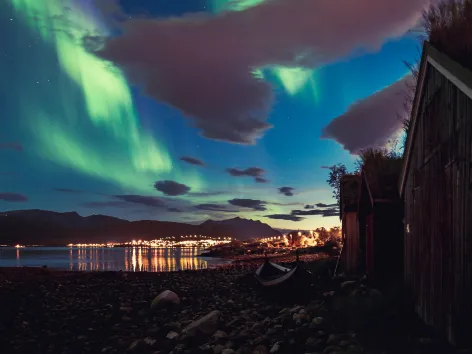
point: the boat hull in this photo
(273, 276)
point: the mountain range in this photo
(43, 227)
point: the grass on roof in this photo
(448, 25)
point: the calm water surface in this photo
(100, 259)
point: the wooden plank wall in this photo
(351, 250)
(438, 209)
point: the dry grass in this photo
(377, 160)
(448, 26)
(382, 169)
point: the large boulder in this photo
(165, 299)
(204, 326)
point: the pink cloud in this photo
(372, 121)
(201, 64)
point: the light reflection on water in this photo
(108, 259)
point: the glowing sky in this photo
(78, 132)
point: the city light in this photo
(167, 242)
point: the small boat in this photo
(270, 275)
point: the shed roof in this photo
(454, 72)
(349, 193)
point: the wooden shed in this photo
(380, 214)
(436, 184)
(348, 202)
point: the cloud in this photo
(261, 180)
(108, 204)
(249, 203)
(67, 190)
(11, 145)
(287, 191)
(141, 199)
(206, 194)
(174, 210)
(13, 197)
(250, 172)
(192, 160)
(322, 212)
(331, 212)
(196, 59)
(285, 217)
(323, 205)
(285, 204)
(216, 207)
(370, 122)
(171, 188)
(308, 206)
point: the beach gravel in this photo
(219, 311)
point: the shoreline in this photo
(53, 311)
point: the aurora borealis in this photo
(95, 123)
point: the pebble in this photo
(172, 335)
(111, 313)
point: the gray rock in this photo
(172, 335)
(275, 348)
(137, 346)
(233, 322)
(299, 318)
(284, 311)
(260, 340)
(260, 349)
(354, 349)
(153, 331)
(205, 348)
(332, 349)
(228, 351)
(218, 335)
(206, 325)
(149, 341)
(316, 344)
(296, 309)
(173, 326)
(218, 348)
(258, 326)
(165, 299)
(348, 286)
(244, 350)
(333, 339)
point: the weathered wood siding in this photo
(351, 250)
(438, 209)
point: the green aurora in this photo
(97, 132)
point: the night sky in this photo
(188, 110)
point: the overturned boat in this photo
(271, 275)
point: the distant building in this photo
(348, 204)
(436, 184)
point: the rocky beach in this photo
(206, 311)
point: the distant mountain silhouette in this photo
(53, 228)
(240, 228)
